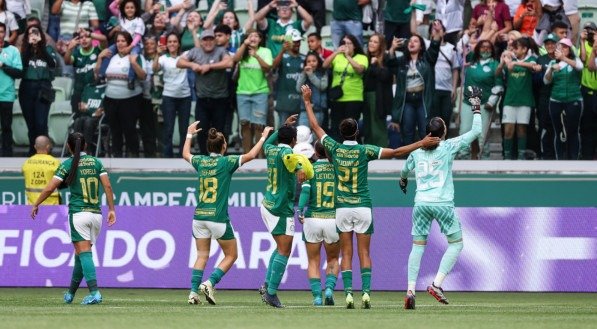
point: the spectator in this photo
(518, 66)
(209, 64)
(275, 30)
(148, 117)
(571, 11)
(35, 91)
(90, 111)
(480, 72)
(378, 92)
(451, 12)
(498, 11)
(254, 62)
(21, 9)
(101, 8)
(230, 19)
(35, 21)
(223, 36)
(588, 132)
(9, 20)
(160, 26)
(553, 12)
(347, 17)
(191, 32)
(527, 16)
(289, 64)
(317, 10)
(38, 171)
(348, 64)
(11, 68)
(121, 103)
(396, 22)
(176, 97)
(314, 43)
(316, 78)
(415, 84)
(565, 105)
(74, 14)
(82, 55)
(542, 96)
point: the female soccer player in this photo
(211, 220)
(82, 173)
(353, 202)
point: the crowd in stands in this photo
(143, 70)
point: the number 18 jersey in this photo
(84, 189)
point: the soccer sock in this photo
(278, 269)
(414, 263)
(347, 280)
(315, 284)
(196, 277)
(330, 281)
(77, 276)
(216, 276)
(366, 279)
(86, 258)
(448, 260)
(522, 147)
(268, 274)
(508, 145)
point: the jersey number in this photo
(325, 189)
(208, 189)
(348, 177)
(90, 189)
(272, 180)
(429, 177)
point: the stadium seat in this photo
(63, 87)
(19, 127)
(59, 121)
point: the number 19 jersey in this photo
(351, 164)
(84, 189)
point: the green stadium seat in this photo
(59, 121)
(20, 131)
(63, 87)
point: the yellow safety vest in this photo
(38, 171)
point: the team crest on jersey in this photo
(93, 57)
(486, 69)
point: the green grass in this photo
(153, 308)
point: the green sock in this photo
(196, 277)
(315, 284)
(450, 257)
(414, 263)
(508, 145)
(86, 258)
(268, 274)
(216, 276)
(522, 147)
(278, 269)
(347, 280)
(366, 279)
(76, 277)
(330, 281)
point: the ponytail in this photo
(76, 142)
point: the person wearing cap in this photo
(211, 84)
(542, 95)
(289, 63)
(565, 104)
(588, 125)
(275, 30)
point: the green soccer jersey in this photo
(93, 97)
(394, 11)
(482, 74)
(281, 184)
(276, 33)
(84, 189)
(321, 197)
(287, 98)
(519, 91)
(351, 164)
(215, 172)
(83, 63)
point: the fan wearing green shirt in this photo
(354, 212)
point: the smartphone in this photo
(283, 3)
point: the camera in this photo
(590, 36)
(283, 3)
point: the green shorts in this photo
(445, 215)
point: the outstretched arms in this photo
(319, 132)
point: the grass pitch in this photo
(153, 308)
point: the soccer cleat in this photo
(349, 301)
(272, 300)
(263, 289)
(68, 297)
(409, 301)
(329, 297)
(194, 298)
(208, 290)
(366, 301)
(92, 299)
(437, 293)
(317, 301)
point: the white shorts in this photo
(85, 226)
(203, 229)
(358, 220)
(316, 230)
(571, 7)
(277, 225)
(517, 114)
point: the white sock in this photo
(411, 287)
(439, 279)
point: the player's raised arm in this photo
(319, 132)
(254, 152)
(191, 131)
(474, 97)
(428, 141)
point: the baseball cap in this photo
(207, 33)
(551, 37)
(566, 41)
(590, 26)
(305, 149)
(294, 35)
(303, 134)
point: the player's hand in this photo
(111, 217)
(473, 94)
(193, 128)
(429, 141)
(301, 176)
(300, 216)
(266, 131)
(403, 183)
(34, 211)
(291, 121)
(306, 93)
